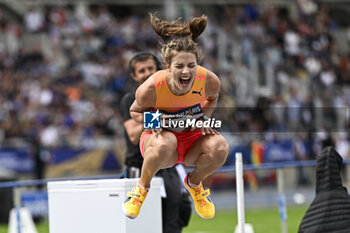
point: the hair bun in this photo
(176, 29)
(197, 26)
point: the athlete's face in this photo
(143, 70)
(182, 71)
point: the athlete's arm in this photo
(212, 87)
(134, 130)
(145, 99)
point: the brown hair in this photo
(179, 36)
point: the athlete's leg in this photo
(159, 152)
(207, 155)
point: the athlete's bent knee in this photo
(219, 149)
(162, 149)
(165, 142)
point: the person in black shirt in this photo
(176, 206)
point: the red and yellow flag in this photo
(257, 157)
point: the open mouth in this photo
(185, 81)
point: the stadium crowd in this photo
(279, 72)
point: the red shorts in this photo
(184, 142)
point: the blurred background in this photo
(284, 67)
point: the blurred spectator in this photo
(69, 85)
(34, 20)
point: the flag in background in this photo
(257, 158)
(257, 154)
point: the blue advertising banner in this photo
(36, 202)
(279, 151)
(63, 161)
(16, 160)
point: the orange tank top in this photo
(167, 101)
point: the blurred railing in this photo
(277, 165)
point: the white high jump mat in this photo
(90, 206)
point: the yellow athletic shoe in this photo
(133, 203)
(202, 202)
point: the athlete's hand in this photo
(156, 131)
(162, 118)
(205, 130)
